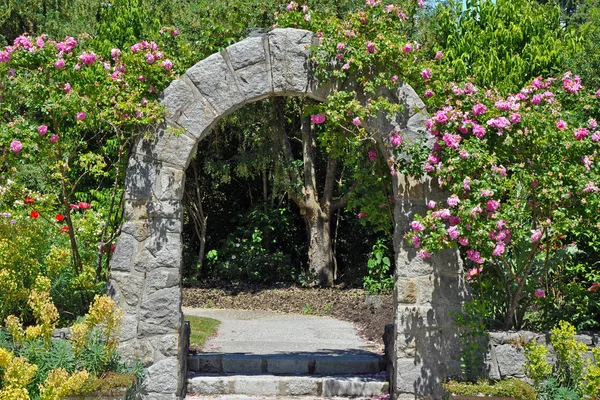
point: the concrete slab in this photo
(262, 332)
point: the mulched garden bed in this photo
(340, 303)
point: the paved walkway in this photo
(262, 332)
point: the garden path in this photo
(263, 332)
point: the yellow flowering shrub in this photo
(20, 264)
(15, 374)
(591, 378)
(79, 334)
(60, 384)
(57, 260)
(13, 325)
(105, 317)
(44, 310)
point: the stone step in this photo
(246, 397)
(286, 364)
(277, 385)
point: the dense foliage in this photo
(65, 147)
(521, 173)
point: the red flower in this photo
(29, 200)
(34, 214)
(64, 229)
(60, 217)
(84, 206)
(595, 286)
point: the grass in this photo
(201, 329)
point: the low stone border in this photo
(505, 357)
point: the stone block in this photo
(302, 386)
(255, 81)
(286, 365)
(232, 364)
(406, 345)
(353, 387)
(406, 290)
(198, 117)
(167, 345)
(247, 52)
(159, 279)
(139, 350)
(207, 363)
(167, 145)
(347, 365)
(140, 178)
(208, 385)
(290, 51)
(128, 328)
(162, 304)
(215, 81)
(170, 184)
(163, 376)
(263, 385)
(122, 258)
(176, 97)
(130, 286)
(510, 360)
(157, 254)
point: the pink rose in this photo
(54, 138)
(396, 140)
(16, 146)
(81, 116)
(492, 205)
(115, 54)
(407, 48)
(536, 235)
(479, 109)
(561, 125)
(42, 129)
(59, 64)
(540, 293)
(356, 121)
(581, 133)
(318, 119)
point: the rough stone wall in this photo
(425, 341)
(505, 356)
(146, 267)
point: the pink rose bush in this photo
(69, 109)
(522, 174)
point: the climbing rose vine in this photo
(522, 173)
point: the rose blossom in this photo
(16, 146)
(536, 235)
(318, 119)
(42, 129)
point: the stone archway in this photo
(146, 266)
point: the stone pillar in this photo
(146, 273)
(426, 294)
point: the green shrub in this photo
(505, 388)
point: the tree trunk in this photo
(320, 252)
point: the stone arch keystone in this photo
(145, 276)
